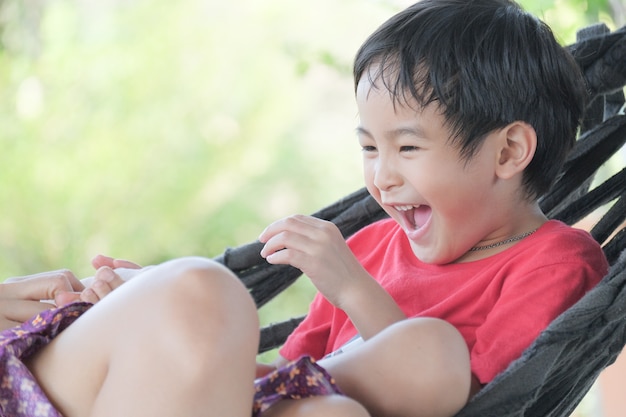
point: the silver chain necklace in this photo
(504, 242)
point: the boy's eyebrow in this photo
(394, 133)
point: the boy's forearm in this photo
(371, 309)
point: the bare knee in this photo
(415, 367)
(195, 283)
(206, 295)
(196, 271)
(201, 315)
(200, 310)
(435, 374)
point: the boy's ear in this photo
(518, 142)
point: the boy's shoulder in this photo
(556, 232)
(558, 243)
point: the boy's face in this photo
(444, 204)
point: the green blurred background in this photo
(151, 129)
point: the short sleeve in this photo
(311, 336)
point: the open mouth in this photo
(414, 216)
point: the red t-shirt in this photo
(499, 304)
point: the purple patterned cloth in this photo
(301, 378)
(20, 394)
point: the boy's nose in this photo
(386, 175)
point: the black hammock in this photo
(556, 371)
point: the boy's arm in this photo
(318, 249)
(370, 307)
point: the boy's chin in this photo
(432, 255)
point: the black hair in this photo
(487, 63)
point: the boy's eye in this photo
(368, 148)
(409, 148)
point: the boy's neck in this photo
(515, 228)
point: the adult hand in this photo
(23, 297)
(102, 260)
(101, 284)
(110, 274)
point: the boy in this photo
(467, 111)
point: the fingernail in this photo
(106, 274)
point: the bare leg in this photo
(180, 339)
(326, 406)
(418, 367)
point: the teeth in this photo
(405, 208)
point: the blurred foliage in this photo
(565, 17)
(150, 129)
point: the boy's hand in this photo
(318, 249)
(21, 297)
